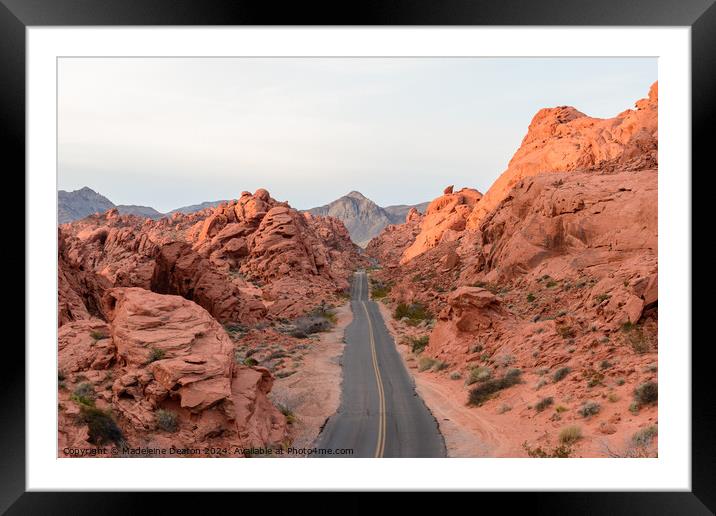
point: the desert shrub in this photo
(613, 397)
(647, 393)
(478, 374)
(478, 395)
(505, 360)
(288, 413)
(636, 339)
(378, 289)
(541, 383)
(101, 426)
(570, 434)
(634, 407)
(166, 420)
(551, 284)
(84, 394)
(250, 362)
(425, 363)
(531, 297)
(605, 364)
(417, 344)
(600, 298)
(565, 331)
(440, 365)
(414, 312)
(455, 375)
(589, 408)
(60, 375)
(562, 451)
(284, 374)
(504, 408)
(620, 381)
(324, 312)
(155, 354)
(560, 374)
(98, 335)
(544, 403)
(645, 436)
(560, 408)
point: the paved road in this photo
(380, 414)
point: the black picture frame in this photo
(700, 15)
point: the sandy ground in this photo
(313, 392)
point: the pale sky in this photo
(171, 132)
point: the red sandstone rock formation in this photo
(563, 139)
(444, 219)
(161, 353)
(556, 266)
(242, 260)
(392, 242)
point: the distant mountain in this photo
(398, 212)
(363, 218)
(80, 203)
(140, 211)
(196, 207)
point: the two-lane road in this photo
(380, 415)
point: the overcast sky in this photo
(171, 132)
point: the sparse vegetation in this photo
(250, 362)
(605, 364)
(102, 428)
(570, 434)
(425, 363)
(287, 412)
(565, 331)
(551, 284)
(544, 403)
(560, 408)
(562, 451)
(645, 436)
(560, 374)
(155, 354)
(613, 397)
(415, 313)
(531, 297)
(646, 394)
(478, 395)
(636, 338)
(98, 335)
(455, 375)
(440, 365)
(504, 408)
(589, 409)
(378, 289)
(84, 394)
(166, 420)
(600, 298)
(478, 374)
(417, 344)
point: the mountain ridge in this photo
(363, 218)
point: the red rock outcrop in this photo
(243, 260)
(444, 220)
(563, 139)
(388, 247)
(162, 353)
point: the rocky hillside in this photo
(363, 218)
(541, 296)
(151, 315)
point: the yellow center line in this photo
(382, 423)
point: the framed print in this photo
(443, 246)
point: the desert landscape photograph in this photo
(357, 257)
